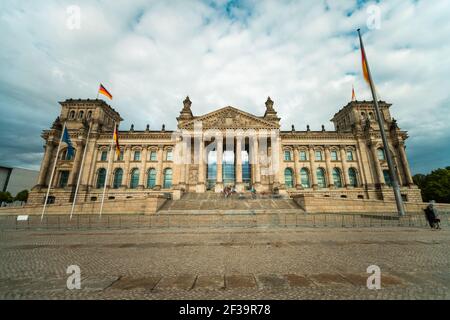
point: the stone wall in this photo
(315, 204)
(147, 205)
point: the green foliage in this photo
(22, 196)
(6, 197)
(434, 186)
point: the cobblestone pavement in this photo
(301, 263)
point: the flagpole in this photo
(81, 170)
(395, 185)
(111, 158)
(53, 171)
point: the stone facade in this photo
(201, 155)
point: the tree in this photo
(5, 197)
(435, 186)
(22, 196)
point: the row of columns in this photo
(202, 163)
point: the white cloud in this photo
(150, 55)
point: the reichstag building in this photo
(224, 148)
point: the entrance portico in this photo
(224, 154)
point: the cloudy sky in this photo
(151, 54)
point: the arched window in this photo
(337, 180)
(101, 178)
(304, 174)
(63, 178)
(89, 115)
(134, 182)
(350, 155)
(137, 156)
(334, 155)
(387, 178)
(321, 182)
(287, 155)
(81, 115)
(153, 155)
(66, 156)
(303, 155)
(352, 177)
(151, 178)
(168, 178)
(169, 155)
(319, 155)
(288, 178)
(118, 175)
(104, 155)
(72, 115)
(380, 153)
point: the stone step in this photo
(229, 212)
(230, 204)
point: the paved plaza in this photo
(289, 263)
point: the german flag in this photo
(104, 92)
(364, 64)
(116, 141)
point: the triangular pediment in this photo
(229, 118)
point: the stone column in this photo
(143, 167)
(257, 171)
(181, 161)
(312, 167)
(219, 160)
(73, 176)
(329, 167)
(405, 164)
(187, 158)
(89, 165)
(94, 169)
(159, 173)
(42, 180)
(201, 187)
(276, 167)
(126, 171)
(379, 173)
(344, 166)
(298, 184)
(238, 168)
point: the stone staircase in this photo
(216, 203)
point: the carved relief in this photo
(230, 117)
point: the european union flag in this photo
(66, 139)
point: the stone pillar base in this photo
(239, 187)
(200, 188)
(218, 187)
(176, 194)
(257, 186)
(140, 187)
(157, 188)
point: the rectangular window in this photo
(349, 155)
(137, 156)
(303, 156)
(63, 179)
(104, 156)
(287, 155)
(169, 156)
(334, 155)
(120, 157)
(319, 155)
(153, 156)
